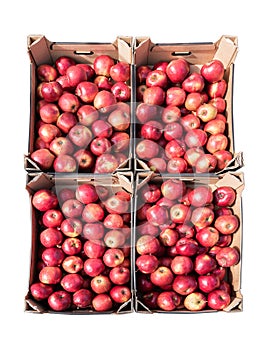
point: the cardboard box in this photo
(225, 49)
(43, 51)
(233, 276)
(113, 183)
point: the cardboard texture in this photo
(236, 181)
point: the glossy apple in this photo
(113, 257)
(72, 246)
(147, 263)
(208, 236)
(181, 265)
(147, 244)
(51, 237)
(195, 301)
(40, 291)
(93, 212)
(72, 264)
(120, 294)
(175, 96)
(82, 298)
(64, 163)
(213, 71)
(61, 145)
(72, 208)
(52, 218)
(162, 276)
(218, 299)
(72, 282)
(154, 95)
(168, 300)
(227, 224)
(50, 275)
(224, 196)
(94, 266)
(204, 264)
(184, 284)
(44, 199)
(86, 193)
(68, 102)
(177, 70)
(60, 300)
(120, 275)
(227, 256)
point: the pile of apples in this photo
(184, 246)
(82, 115)
(84, 245)
(181, 116)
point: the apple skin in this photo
(195, 301)
(104, 101)
(147, 149)
(147, 244)
(43, 158)
(64, 163)
(72, 208)
(40, 291)
(60, 300)
(193, 83)
(44, 200)
(180, 213)
(204, 264)
(86, 193)
(53, 256)
(113, 257)
(156, 78)
(92, 212)
(168, 300)
(177, 70)
(206, 112)
(93, 231)
(51, 237)
(200, 196)
(72, 282)
(82, 298)
(227, 256)
(100, 284)
(202, 217)
(94, 249)
(46, 72)
(150, 193)
(71, 227)
(154, 95)
(223, 158)
(72, 264)
(208, 236)
(218, 299)
(62, 63)
(213, 71)
(106, 163)
(207, 283)
(113, 221)
(75, 75)
(227, 224)
(168, 237)
(49, 113)
(162, 276)
(102, 302)
(120, 294)
(94, 266)
(50, 275)
(181, 265)
(157, 215)
(120, 275)
(184, 284)
(186, 246)
(52, 218)
(51, 91)
(147, 263)
(86, 91)
(68, 102)
(175, 96)
(72, 246)
(224, 196)
(84, 159)
(102, 65)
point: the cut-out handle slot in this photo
(87, 53)
(181, 53)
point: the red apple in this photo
(120, 275)
(156, 78)
(154, 95)
(184, 284)
(87, 114)
(147, 263)
(116, 204)
(224, 196)
(206, 163)
(40, 291)
(145, 112)
(60, 300)
(190, 121)
(208, 283)
(200, 196)
(208, 236)
(168, 300)
(175, 96)
(66, 121)
(206, 112)
(72, 282)
(195, 301)
(173, 131)
(113, 257)
(171, 114)
(102, 302)
(193, 101)
(75, 75)
(48, 132)
(147, 244)
(114, 238)
(215, 126)
(227, 256)
(72, 246)
(86, 91)
(120, 294)
(227, 224)
(64, 163)
(193, 83)
(51, 237)
(217, 89)
(62, 63)
(93, 231)
(92, 212)
(84, 159)
(100, 284)
(51, 91)
(196, 138)
(218, 299)
(162, 276)
(104, 101)
(217, 143)
(72, 208)
(44, 199)
(86, 193)
(223, 157)
(94, 266)
(80, 135)
(202, 217)
(141, 73)
(213, 71)
(186, 246)
(147, 149)
(46, 72)
(177, 70)
(50, 275)
(102, 65)
(52, 256)
(52, 218)
(49, 113)
(181, 265)
(180, 213)
(121, 91)
(82, 298)
(204, 264)
(157, 215)
(68, 102)
(72, 264)
(61, 145)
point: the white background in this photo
(164, 21)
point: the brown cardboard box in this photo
(225, 49)
(113, 183)
(236, 181)
(43, 51)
